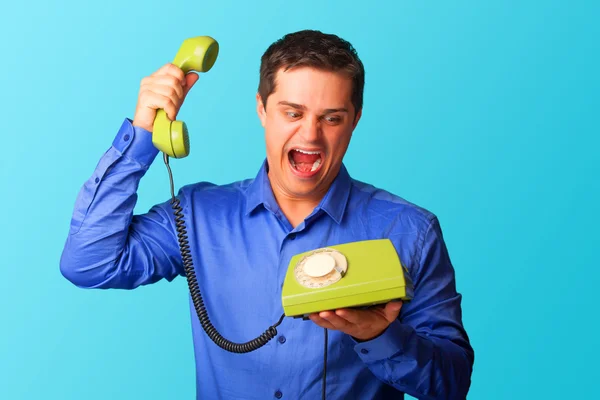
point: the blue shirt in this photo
(241, 245)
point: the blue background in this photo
(485, 112)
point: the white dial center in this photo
(318, 265)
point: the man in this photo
(242, 236)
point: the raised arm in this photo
(107, 245)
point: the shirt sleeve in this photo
(426, 351)
(109, 247)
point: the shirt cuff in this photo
(388, 344)
(135, 143)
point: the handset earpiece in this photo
(195, 54)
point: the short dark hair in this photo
(312, 48)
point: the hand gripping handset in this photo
(195, 54)
(171, 137)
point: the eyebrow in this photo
(301, 107)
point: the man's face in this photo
(308, 124)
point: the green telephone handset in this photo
(358, 274)
(195, 54)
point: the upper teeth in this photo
(308, 152)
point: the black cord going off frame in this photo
(324, 366)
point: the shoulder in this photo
(389, 210)
(205, 193)
(413, 229)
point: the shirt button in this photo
(97, 180)
(126, 137)
(281, 339)
(364, 351)
(278, 394)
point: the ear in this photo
(260, 110)
(357, 118)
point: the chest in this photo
(241, 261)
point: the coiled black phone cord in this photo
(188, 266)
(208, 327)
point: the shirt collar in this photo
(334, 202)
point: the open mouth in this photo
(305, 162)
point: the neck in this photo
(295, 210)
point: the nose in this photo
(311, 129)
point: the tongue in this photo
(304, 158)
(304, 162)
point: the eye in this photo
(333, 119)
(293, 114)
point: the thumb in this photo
(392, 309)
(189, 81)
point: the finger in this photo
(320, 321)
(163, 70)
(167, 91)
(392, 310)
(174, 71)
(355, 317)
(190, 80)
(164, 80)
(155, 101)
(335, 320)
